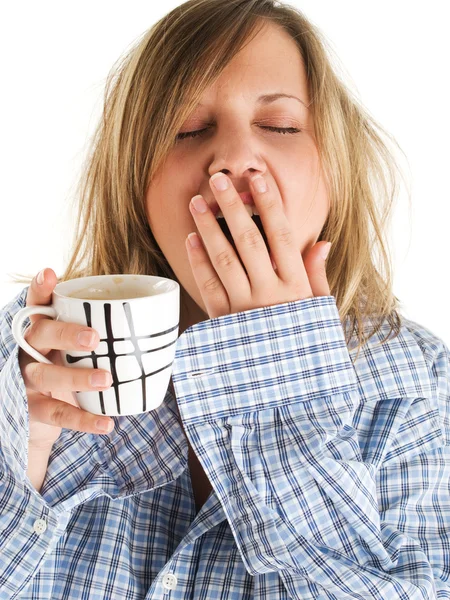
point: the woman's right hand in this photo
(51, 404)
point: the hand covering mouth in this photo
(226, 231)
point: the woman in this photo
(312, 461)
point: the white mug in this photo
(137, 319)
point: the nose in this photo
(237, 156)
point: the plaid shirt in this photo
(330, 479)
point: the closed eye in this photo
(199, 132)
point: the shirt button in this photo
(170, 581)
(39, 526)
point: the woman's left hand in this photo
(223, 283)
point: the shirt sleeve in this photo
(13, 415)
(27, 524)
(81, 467)
(343, 500)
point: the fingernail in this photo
(326, 250)
(86, 338)
(194, 240)
(40, 277)
(100, 379)
(199, 204)
(220, 181)
(260, 184)
(103, 425)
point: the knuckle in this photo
(284, 236)
(58, 415)
(251, 237)
(37, 328)
(211, 285)
(232, 202)
(270, 203)
(224, 259)
(60, 332)
(74, 376)
(37, 335)
(36, 374)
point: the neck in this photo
(190, 312)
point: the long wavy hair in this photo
(152, 90)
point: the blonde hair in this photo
(154, 88)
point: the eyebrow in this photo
(269, 98)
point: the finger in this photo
(279, 233)
(51, 378)
(40, 291)
(208, 282)
(48, 334)
(246, 235)
(45, 409)
(221, 253)
(315, 265)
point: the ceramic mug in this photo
(137, 319)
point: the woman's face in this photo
(237, 143)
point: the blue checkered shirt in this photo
(330, 480)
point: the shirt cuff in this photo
(261, 358)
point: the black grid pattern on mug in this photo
(112, 355)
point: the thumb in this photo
(315, 266)
(40, 291)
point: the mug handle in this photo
(16, 327)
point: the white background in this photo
(55, 58)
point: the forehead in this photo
(270, 63)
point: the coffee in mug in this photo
(118, 289)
